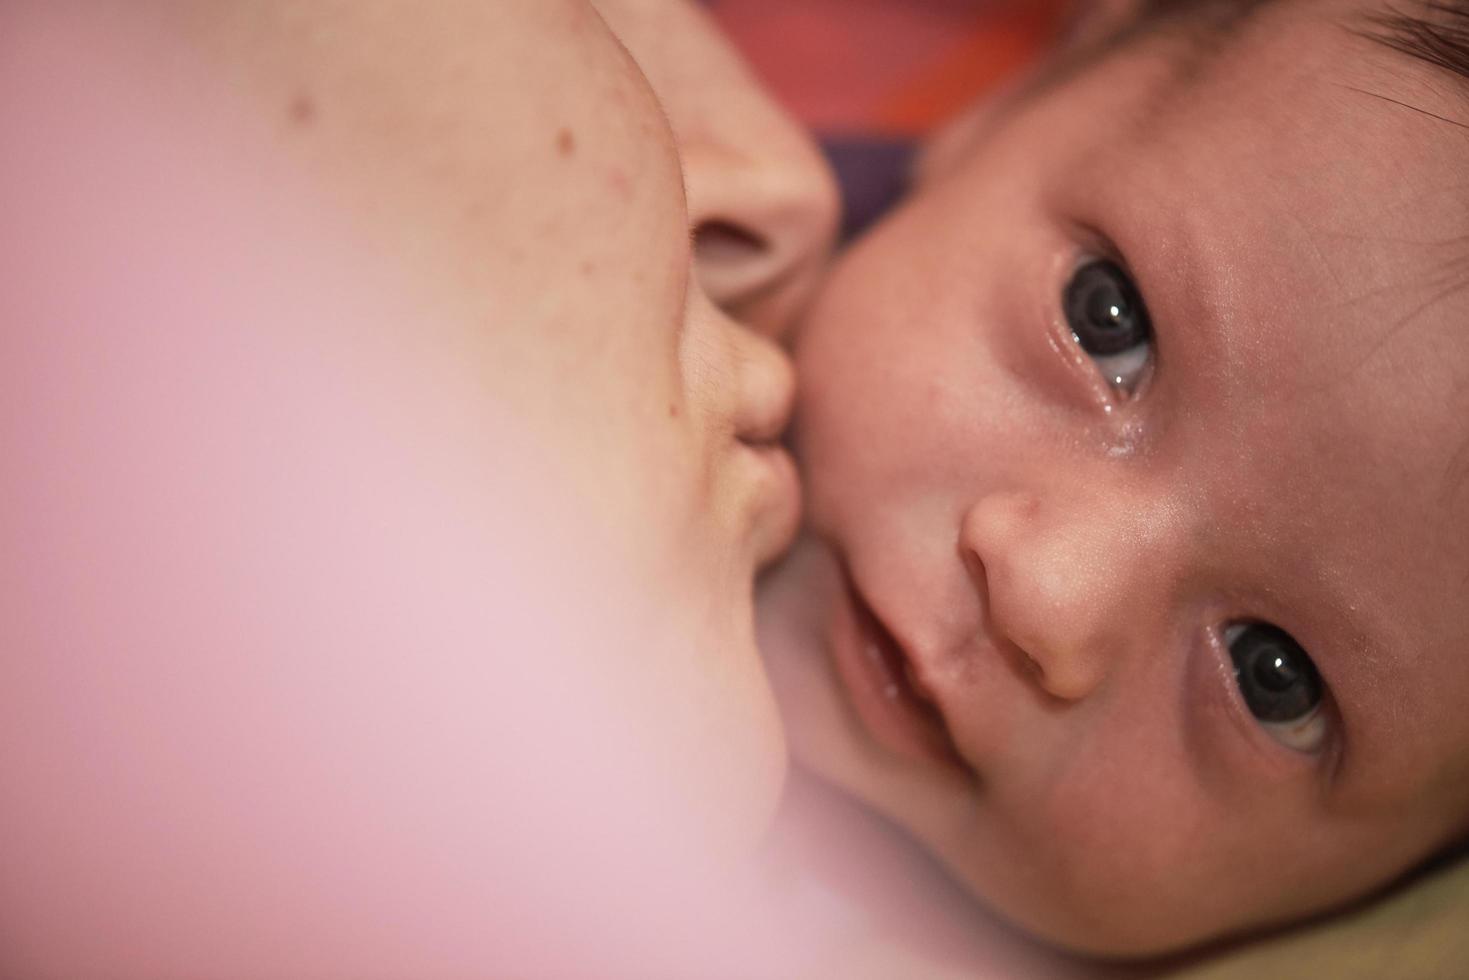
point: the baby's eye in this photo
(1279, 683)
(1108, 319)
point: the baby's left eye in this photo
(1279, 683)
(1108, 319)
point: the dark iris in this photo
(1104, 310)
(1278, 680)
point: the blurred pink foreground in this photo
(278, 692)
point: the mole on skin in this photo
(302, 109)
(566, 143)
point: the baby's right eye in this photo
(1108, 319)
(1279, 684)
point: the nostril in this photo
(996, 633)
(722, 244)
(743, 271)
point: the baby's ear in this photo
(1089, 23)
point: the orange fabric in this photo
(887, 68)
(976, 64)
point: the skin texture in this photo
(1057, 559)
(378, 559)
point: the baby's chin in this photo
(1096, 932)
(1136, 919)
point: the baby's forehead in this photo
(1330, 168)
(1310, 152)
(1327, 171)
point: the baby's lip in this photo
(887, 686)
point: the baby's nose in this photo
(1072, 585)
(764, 223)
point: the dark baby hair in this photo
(1436, 32)
(1432, 31)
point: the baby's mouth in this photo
(885, 686)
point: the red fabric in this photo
(887, 68)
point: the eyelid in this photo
(1307, 736)
(1115, 367)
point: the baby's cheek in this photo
(1117, 839)
(875, 409)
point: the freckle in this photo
(588, 267)
(620, 182)
(302, 110)
(566, 143)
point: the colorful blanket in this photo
(872, 76)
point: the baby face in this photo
(1136, 460)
